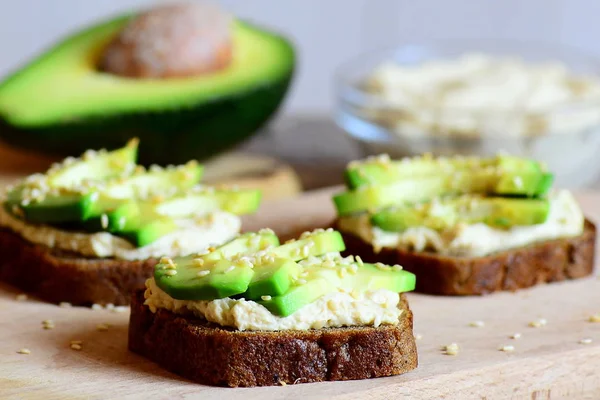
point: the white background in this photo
(327, 32)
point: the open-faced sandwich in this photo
(253, 312)
(91, 229)
(465, 225)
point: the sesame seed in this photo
(231, 268)
(359, 261)
(104, 221)
(381, 266)
(64, 304)
(451, 349)
(585, 341)
(265, 298)
(266, 231)
(282, 383)
(76, 342)
(102, 327)
(203, 273)
(171, 272)
(120, 309)
(21, 297)
(24, 351)
(76, 346)
(477, 324)
(418, 336)
(198, 261)
(594, 318)
(508, 348)
(538, 323)
(301, 281)
(515, 336)
(397, 267)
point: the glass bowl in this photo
(565, 137)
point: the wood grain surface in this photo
(547, 362)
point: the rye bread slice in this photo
(549, 261)
(214, 355)
(57, 276)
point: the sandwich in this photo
(254, 312)
(465, 225)
(90, 229)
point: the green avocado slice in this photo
(215, 276)
(272, 278)
(502, 175)
(443, 214)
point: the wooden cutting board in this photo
(548, 362)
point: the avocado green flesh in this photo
(428, 187)
(298, 297)
(148, 231)
(187, 285)
(177, 119)
(316, 245)
(221, 282)
(503, 175)
(446, 213)
(272, 279)
(54, 209)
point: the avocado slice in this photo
(114, 198)
(66, 193)
(502, 175)
(320, 280)
(445, 213)
(272, 278)
(409, 191)
(176, 119)
(314, 244)
(224, 278)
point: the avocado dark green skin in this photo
(167, 137)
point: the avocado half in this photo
(62, 104)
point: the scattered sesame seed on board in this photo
(594, 318)
(24, 351)
(585, 341)
(477, 324)
(451, 349)
(418, 336)
(538, 323)
(75, 346)
(507, 349)
(515, 336)
(64, 304)
(96, 306)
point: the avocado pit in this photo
(176, 40)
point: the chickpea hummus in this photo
(337, 309)
(564, 220)
(193, 235)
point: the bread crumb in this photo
(515, 336)
(538, 323)
(451, 349)
(507, 349)
(21, 297)
(594, 318)
(477, 324)
(282, 383)
(64, 304)
(24, 351)
(585, 341)
(76, 346)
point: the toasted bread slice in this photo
(214, 355)
(57, 276)
(549, 261)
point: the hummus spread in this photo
(194, 235)
(336, 309)
(564, 220)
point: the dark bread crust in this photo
(213, 355)
(59, 276)
(549, 261)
